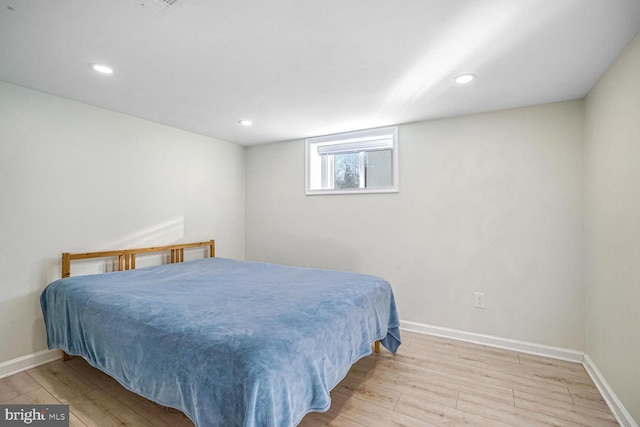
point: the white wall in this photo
(490, 203)
(613, 224)
(79, 178)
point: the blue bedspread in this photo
(230, 343)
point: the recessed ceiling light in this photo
(245, 122)
(464, 78)
(103, 69)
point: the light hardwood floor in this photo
(430, 382)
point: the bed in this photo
(228, 342)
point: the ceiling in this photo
(308, 68)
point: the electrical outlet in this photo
(478, 300)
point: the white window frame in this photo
(320, 167)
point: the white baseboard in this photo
(617, 408)
(29, 361)
(492, 341)
(619, 411)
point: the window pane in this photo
(347, 170)
(379, 170)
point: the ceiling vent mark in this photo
(160, 5)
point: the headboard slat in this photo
(127, 257)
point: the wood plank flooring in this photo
(430, 382)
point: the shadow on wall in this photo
(327, 254)
(164, 233)
(19, 315)
(160, 234)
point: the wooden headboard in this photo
(127, 257)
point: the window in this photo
(355, 162)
